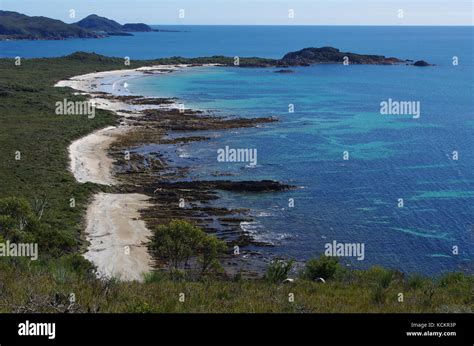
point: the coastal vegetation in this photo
(17, 26)
(103, 25)
(36, 192)
(108, 26)
(179, 241)
(47, 287)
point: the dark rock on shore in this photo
(190, 120)
(421, 63)
(118, 34)
(227, 185)
(156, 176)
(139, 100)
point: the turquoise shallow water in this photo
(337, 109)
(391, 157)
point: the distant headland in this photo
(17, 26)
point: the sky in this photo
(255, 12)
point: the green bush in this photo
(451, 278)
(325, 267)
(278, 271)
(79, 265)
(211, 248)
(386, 278)
(153, 277)
(379, 294)
(416, 281)
(176, 242)
(379, 276)
(20, 224)
(177, 274)
(18, 209)
(16, 217)
(180, 240)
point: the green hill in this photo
(99, 24)
(17, 26)
(14, 25)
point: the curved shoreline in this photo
(89, 162)
(115, 233)
(94, 157)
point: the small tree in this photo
(176, 242)
(16, 214)
(20, 223)
(211, 249)
(180, 240)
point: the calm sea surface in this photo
(336, 110)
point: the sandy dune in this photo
(117, 236)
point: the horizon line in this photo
(180, 23)
(387, 25)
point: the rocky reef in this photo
(168, 185)
(227, 185)
(284, 71)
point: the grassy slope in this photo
(34, 289)
(29, 124)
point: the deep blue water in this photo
(337, 109)
(264, 41)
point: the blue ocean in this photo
(402, 186)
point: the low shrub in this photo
(278, 271)
(325, 267)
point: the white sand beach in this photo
(113, 226)
(117, 236)
(89, 159)
(113, 82)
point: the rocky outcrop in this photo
(103, 25)
(325, 55)
(136, 27)
(228, 185)
(421, 63)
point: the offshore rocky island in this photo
(17, 26)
